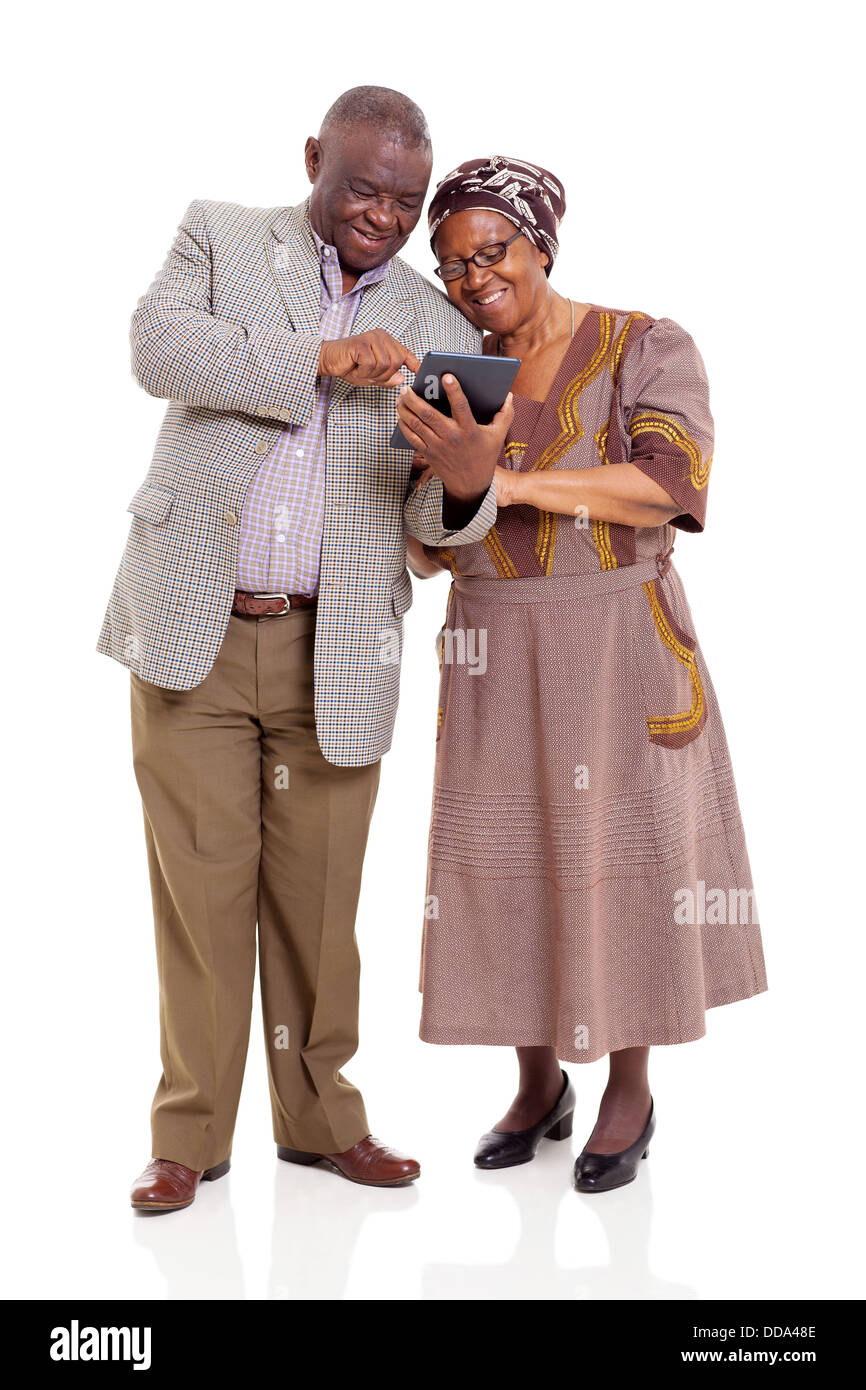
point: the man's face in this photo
(367, 195)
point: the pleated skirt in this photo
(588, 885)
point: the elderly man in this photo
(259, 607)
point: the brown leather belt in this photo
(247, 605)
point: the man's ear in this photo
(313, 158)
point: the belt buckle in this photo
(285, 599)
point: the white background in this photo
(708, 154)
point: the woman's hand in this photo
(422, 565)
(459, 450)
(507, 482)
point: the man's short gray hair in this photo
(392, 114)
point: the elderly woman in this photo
(589, 891)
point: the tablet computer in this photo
(485, 382)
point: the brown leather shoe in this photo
(369, 1162)
(168, 1186)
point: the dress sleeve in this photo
(665, 398)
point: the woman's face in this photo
(496, 298)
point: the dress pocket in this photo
(676, 706)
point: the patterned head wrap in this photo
(530, 197)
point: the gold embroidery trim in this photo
(677, 723)
(546, 539)
(501, 559)
(571, 429)
(619, 346)
(670, 428)
(601, 529)
(450, 559)
(601, 541)
(601, 436)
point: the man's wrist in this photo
(323, 370)
(458, 510)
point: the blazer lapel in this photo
(292, 257)
(291, 254)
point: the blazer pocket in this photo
(401, 593)
(152, 504)
(676, 703)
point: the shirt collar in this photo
(332, 260)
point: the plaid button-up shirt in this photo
(283, 519)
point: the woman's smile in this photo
(488, 301)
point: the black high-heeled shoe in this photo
(501, 1149)
(602, 1172)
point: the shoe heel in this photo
(562, 1128)
(211, 1174)
(297, 1156)
(645, 1153)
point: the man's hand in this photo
(368, 359)
(460, 451)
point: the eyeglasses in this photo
(488, 255)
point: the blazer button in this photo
(230, 518)
(262, 446)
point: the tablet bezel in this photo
(465, 367)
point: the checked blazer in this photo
(228, 333)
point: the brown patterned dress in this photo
(588, 885)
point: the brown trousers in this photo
(247, 822)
